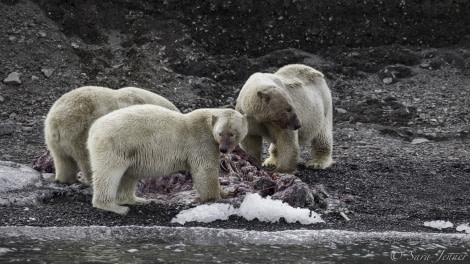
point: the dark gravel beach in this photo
(399, 73)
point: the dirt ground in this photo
(399, 72)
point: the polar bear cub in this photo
(290, 108)
(147, 141)
(70, 117)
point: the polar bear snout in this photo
(223, 149)
(287, 122)
(226, 143)
(295, 123)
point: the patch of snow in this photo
(463, 228)
(439, 224)
(253, 206)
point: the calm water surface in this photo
(151, 252)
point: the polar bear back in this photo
(86, 104)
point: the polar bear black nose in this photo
(297, 126)
(223, 149)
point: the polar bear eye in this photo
(232, 135)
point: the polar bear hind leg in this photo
(84, 166)
(322, 147)
(66, 168)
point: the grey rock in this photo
(13, 78)
(16, 177)
(419, 141)
(388, 80)
(47, 72)
(7, 127)
(27, 129)
(341, 111)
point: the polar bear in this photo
(145, 141)
(70, 117)
(290, 108)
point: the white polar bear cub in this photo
(67, 123)
(290, 108)
(147, 141)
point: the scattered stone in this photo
(7, 127)
(13, 78)
(42, 34)
(388, 80)
(47, 72)
(2, 99)
(34, 78)
(425, 65)
(419, 141)
(355, 54)
(27, 129)
(341, 111)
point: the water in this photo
(148, 252)
(134, 244)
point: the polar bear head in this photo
(263, 97)
(277, 109)
(229, 129)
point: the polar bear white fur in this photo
(69, 119)
(147, 141)
(290, 108)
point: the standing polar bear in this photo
(290, 108)
(69, 119)
(147, 141)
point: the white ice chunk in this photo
(463, 228)
(205, 213)
(269, 210)
(439, 224)
(253, 206)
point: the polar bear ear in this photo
(214, 119)
(264, 95)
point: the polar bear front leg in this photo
(206, 181)
(272, 159)
(105, 186)
(126, 192)
(253, 145)
(288, 152)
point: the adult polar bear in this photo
(70, 117)
(145, 141)
(290, 108)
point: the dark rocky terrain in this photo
(399, 72)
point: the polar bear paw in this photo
(118, 209)
(320, 164)
(270, 161)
